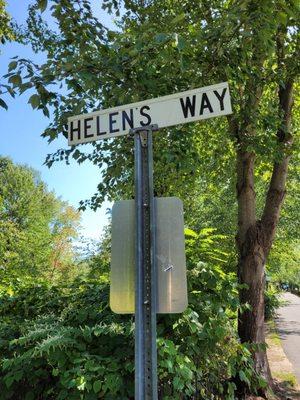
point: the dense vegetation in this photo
(61, 341)
(58, 338)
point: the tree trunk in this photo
(251, 265)
(251, 273)
(255, 237)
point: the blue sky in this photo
(20, 129)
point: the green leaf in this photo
(169, 365)
(282, 18)
(3, 104)
(69, 66)
(42, 5)
(12, 65)
(9, 380)
(11, 91)
(34, 100)
(178, 384)
(97, 386)
(46, 112)
(243, 377)
(76, 154)
(29, 396)
(16, 80)
(162, 38)
(177, 19)
(18, 376)
(190, 232)
(262, 383)
(181, 43)
(25, 86)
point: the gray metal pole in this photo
(145, 286)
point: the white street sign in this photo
(178, 108)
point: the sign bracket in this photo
(143, 132)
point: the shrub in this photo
(272, 302)
(63, 342)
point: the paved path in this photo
(288, 326)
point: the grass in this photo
(272, 334)
(287, 378)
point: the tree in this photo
(64, 229)
(161, 47)
(33, 224)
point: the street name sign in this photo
(174, 109)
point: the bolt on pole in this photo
(145, 285)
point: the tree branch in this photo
(277, 187)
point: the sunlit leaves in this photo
(34, 100)
(6, 30)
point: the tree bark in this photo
(251, 265)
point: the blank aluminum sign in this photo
(170, 257)
(179, 108)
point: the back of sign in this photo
(170, 257)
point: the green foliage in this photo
(36, 228)
(155, 50)
(66, 346)
(272, 302)
(6, 31)
(61, 342)
(206, 244)
(283, 265)
(159, 48)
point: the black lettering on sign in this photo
(143, 114)
(87, 126)
(188, 106)
(127, 118)
(99, 133)
(221, 98)
(73, 130)
(112, 122)
(205, 103)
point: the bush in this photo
(272, 302)
(63, 342)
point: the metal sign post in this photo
(145, 285)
